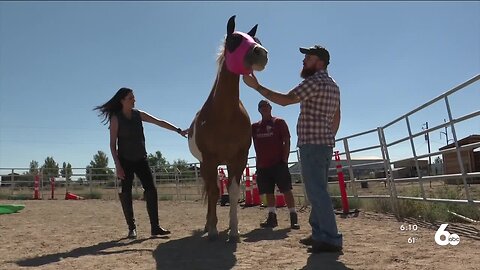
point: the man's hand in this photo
(251, 81)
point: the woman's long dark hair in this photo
(113, 105)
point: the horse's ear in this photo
(231, 25)
(253, 31)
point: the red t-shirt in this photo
(268, 137)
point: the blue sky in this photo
(60, 59)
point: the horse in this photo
(220, 133)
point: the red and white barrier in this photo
(341, 183)
(252, 197)
(36, 187)
(255, 192)
(223, 183)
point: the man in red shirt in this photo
(271, 139)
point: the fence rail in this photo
(421, 177)
(187, 184)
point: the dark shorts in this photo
(278, 175)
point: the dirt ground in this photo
(89, 234)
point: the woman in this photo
(127, 144)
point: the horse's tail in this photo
(204, 193)
(209, 188)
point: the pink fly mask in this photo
(243, 53)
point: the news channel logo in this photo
(443, 237)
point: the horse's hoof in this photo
(234, 239)
(212, 237)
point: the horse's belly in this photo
(210, 139)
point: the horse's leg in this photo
(209, 174)
(235, 174)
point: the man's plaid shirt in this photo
(319, 99)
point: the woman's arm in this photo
(162, 123)
(113, 146)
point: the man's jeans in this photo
(315, 162)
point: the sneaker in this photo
(132, 234)
(308, 241)
(159, 231)
(318, 247)
(271, 221)
(294, 221)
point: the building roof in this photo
(467, 140)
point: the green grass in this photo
(165, 197)
(337, 201)
(94, 194)
(15, 197)
(428, 211)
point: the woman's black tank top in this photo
(131, 140)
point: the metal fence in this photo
(172, 183)
(386, 142)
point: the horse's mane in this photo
(221, 56)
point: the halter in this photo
(234, 60)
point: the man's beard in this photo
(307, 72)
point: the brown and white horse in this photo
(220, 134)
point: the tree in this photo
(184, 169)
(157, 161)
(66, 170)
(69, 171)
(33, 167)
(50, 167)
(27, 178)
(180, 164)
(99, 167)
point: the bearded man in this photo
(318, 123)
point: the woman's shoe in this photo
(159, 231)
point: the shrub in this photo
(165, 197)
(19, 197)
(94, 194)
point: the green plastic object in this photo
(10, 208)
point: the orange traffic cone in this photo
(36, 187)
(248, 188)
(280, 199)
(71, 196)
(224, 198)
(248, 193)
(255, 194)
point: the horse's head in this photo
(243, 52)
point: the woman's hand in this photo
(120, 172)
(185, 132)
